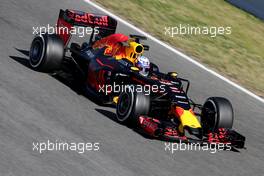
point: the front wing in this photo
(168, 132)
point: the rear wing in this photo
(106, 25)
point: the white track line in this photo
(175, 51)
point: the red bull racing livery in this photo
(106, 68)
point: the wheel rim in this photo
(124, 105)
(209, 120)
(36, 52)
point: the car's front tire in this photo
(46, 53)
(131, 105)
(217, 112)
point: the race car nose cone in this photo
(193, 132)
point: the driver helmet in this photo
(143, 64)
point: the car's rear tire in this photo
(46, 53)
(217, 112)
(131, 105)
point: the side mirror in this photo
(146, 47)
(154, 68)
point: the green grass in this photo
(239, 56)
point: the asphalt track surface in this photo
(37, 107)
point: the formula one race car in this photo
(157, 103)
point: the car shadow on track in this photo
(62, 76)
(22, 60)
(112, 116)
